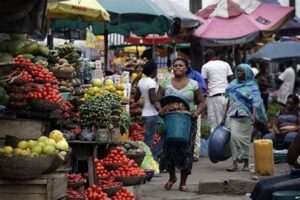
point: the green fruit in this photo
(32, 143)
(43, 50)
(31, 48)
(37, 58)
(28, 56)
(37, 149)
(17, 151)
(49, 149)
(22, 145)
(15, 46)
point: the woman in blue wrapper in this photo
(244, 107)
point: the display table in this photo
(46, 187)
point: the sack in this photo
(149, 163)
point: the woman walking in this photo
(244, 107)
(177, 154)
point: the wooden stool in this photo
(286, 195)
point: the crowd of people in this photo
(236, 97)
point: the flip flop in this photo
(183, 188)
(169, 184)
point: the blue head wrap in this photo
(246, 92)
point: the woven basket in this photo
(130, 180)
(112, 190)
(43, 105)
(63, 74)
(23, 167)
(58, 161)
(76, 185)
(75, 198)
(138, 158)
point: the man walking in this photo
(217, 74)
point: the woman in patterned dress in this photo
(177, 154)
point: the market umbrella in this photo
(140, 17)
(150, 39)
(86, 10)
(291, 28)
(231, 22)
(279, 51)
(176, 11)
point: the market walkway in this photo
(208, 181)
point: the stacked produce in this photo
(95, 112)
(55, 144)
(124, 195)
(99, 89)
(101, 172)
(94, 193)
(134, 64)
(126, 167)
(18, 44)
(68, 52)
(136, 132)
(34, 84)
(71, 121)
(136, 110)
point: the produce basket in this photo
(75, 198)
(24, 167)
(58, 161)
(111, 167)
(138, 158)
(130, 180)
(111, 191)
(43, 105)
(76, 185)
(64, 74)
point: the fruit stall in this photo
(61, 138)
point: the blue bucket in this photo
(177, 126)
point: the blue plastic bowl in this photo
(218, 144)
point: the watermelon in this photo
(15, 46)
(28, 56)
(31, 48)
(43, 50)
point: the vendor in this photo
(263, 189)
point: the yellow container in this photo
(124, 137)
(263, 155)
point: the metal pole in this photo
(195, 5)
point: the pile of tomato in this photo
(31, 71)
(47, 92)
(136, 132)
(101, 172)
(123, 194)
(95, 193)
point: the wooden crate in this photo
(46, 187)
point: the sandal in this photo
(183, 188)
(232, 168)
(169, 184)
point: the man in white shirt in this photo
(286, 82)
(217, 74)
